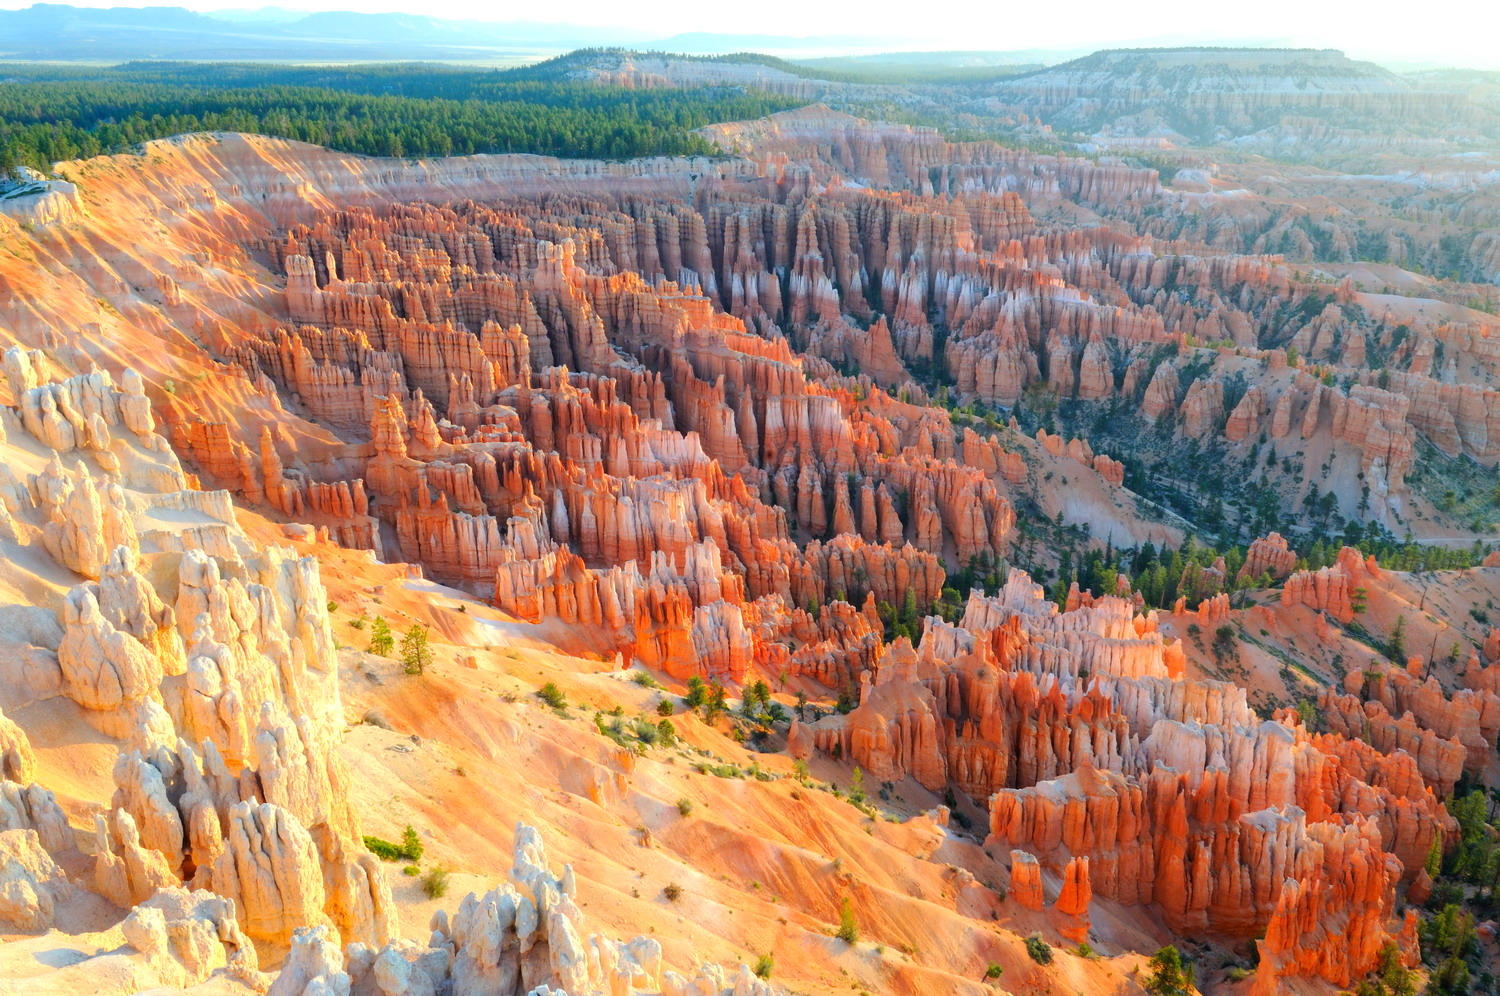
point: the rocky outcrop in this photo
(1334, 589)
(31, 883)
(1334, 928)
(83, 522)
(1268, 556)
(125, 871)
(1073, 901)
(1104, 766)
(17, 761)
(33, 807)
(187, 937)
(1026, 880)
(1456, 730)
(213, 662)
(269, 867)
(1005, 699)
(107, 671)
(525, 935)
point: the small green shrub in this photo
(763, 966)
(718, 770)
(672, 891)
(857, 786)
(552, 695)
(685, 806)
(435, 883)
(411, 845)
(848, 931)
(410, 848)
(994, 971)
(1040, 950)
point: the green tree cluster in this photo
(49, 114)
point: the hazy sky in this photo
(1445, 32)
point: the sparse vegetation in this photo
(715, 702)
(435, 882)
(416, 655)
(553, 696)
(1396, 649)
(410, 848)
(637, 734)
(1039, 950)
(1390, 978)
(1449, 943)
(382, 642)
(848, 931)
(1170, 975)
(857, 786)
(697, 693)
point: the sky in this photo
(1435, 32)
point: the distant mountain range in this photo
(60, 31)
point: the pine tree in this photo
(1170, 975)
(714, 702)
(416, 655)
(381, 641)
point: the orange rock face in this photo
(620, 452)
(1328, 589)
(1130, 785)
(1269, 556)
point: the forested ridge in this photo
(51, 113)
